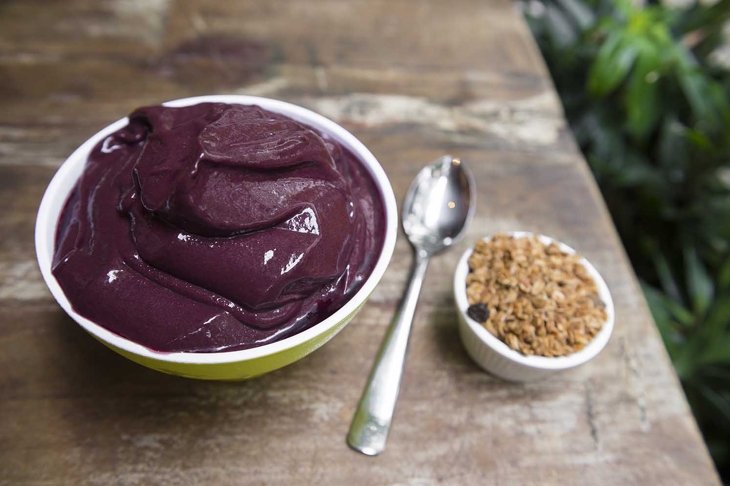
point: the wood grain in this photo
(412, 80)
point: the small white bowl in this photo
(499, 359)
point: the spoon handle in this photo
(371, 423)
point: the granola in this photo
(536, 298)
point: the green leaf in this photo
(708, 20)
(559, 30)
(699, 283)
(698, 89)
(579, 11)
(625, 7)
(663, 318)
(712, 372)
(723, 277)
(674, 310)
(699, 139)
(673, 149)
(717, 352)
(614, 61)
(719, 401)
(669, 284)
(642, 94)
(656, 301)
(686, 359)
(715, 324)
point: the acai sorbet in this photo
(216, 227)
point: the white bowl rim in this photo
(591, 349)
(49, 211)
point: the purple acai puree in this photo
(216, 227)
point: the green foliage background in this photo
(651, 113)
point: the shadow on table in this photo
(100, 393)
(445, 334)
(108, 395)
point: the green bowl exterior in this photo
(238, 370)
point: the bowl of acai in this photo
(216, 237)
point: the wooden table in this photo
(412, 80)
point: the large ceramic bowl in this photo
(231, 365)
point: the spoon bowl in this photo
(438, 205)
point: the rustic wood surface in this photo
(412, 80)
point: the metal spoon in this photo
(437, 208)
